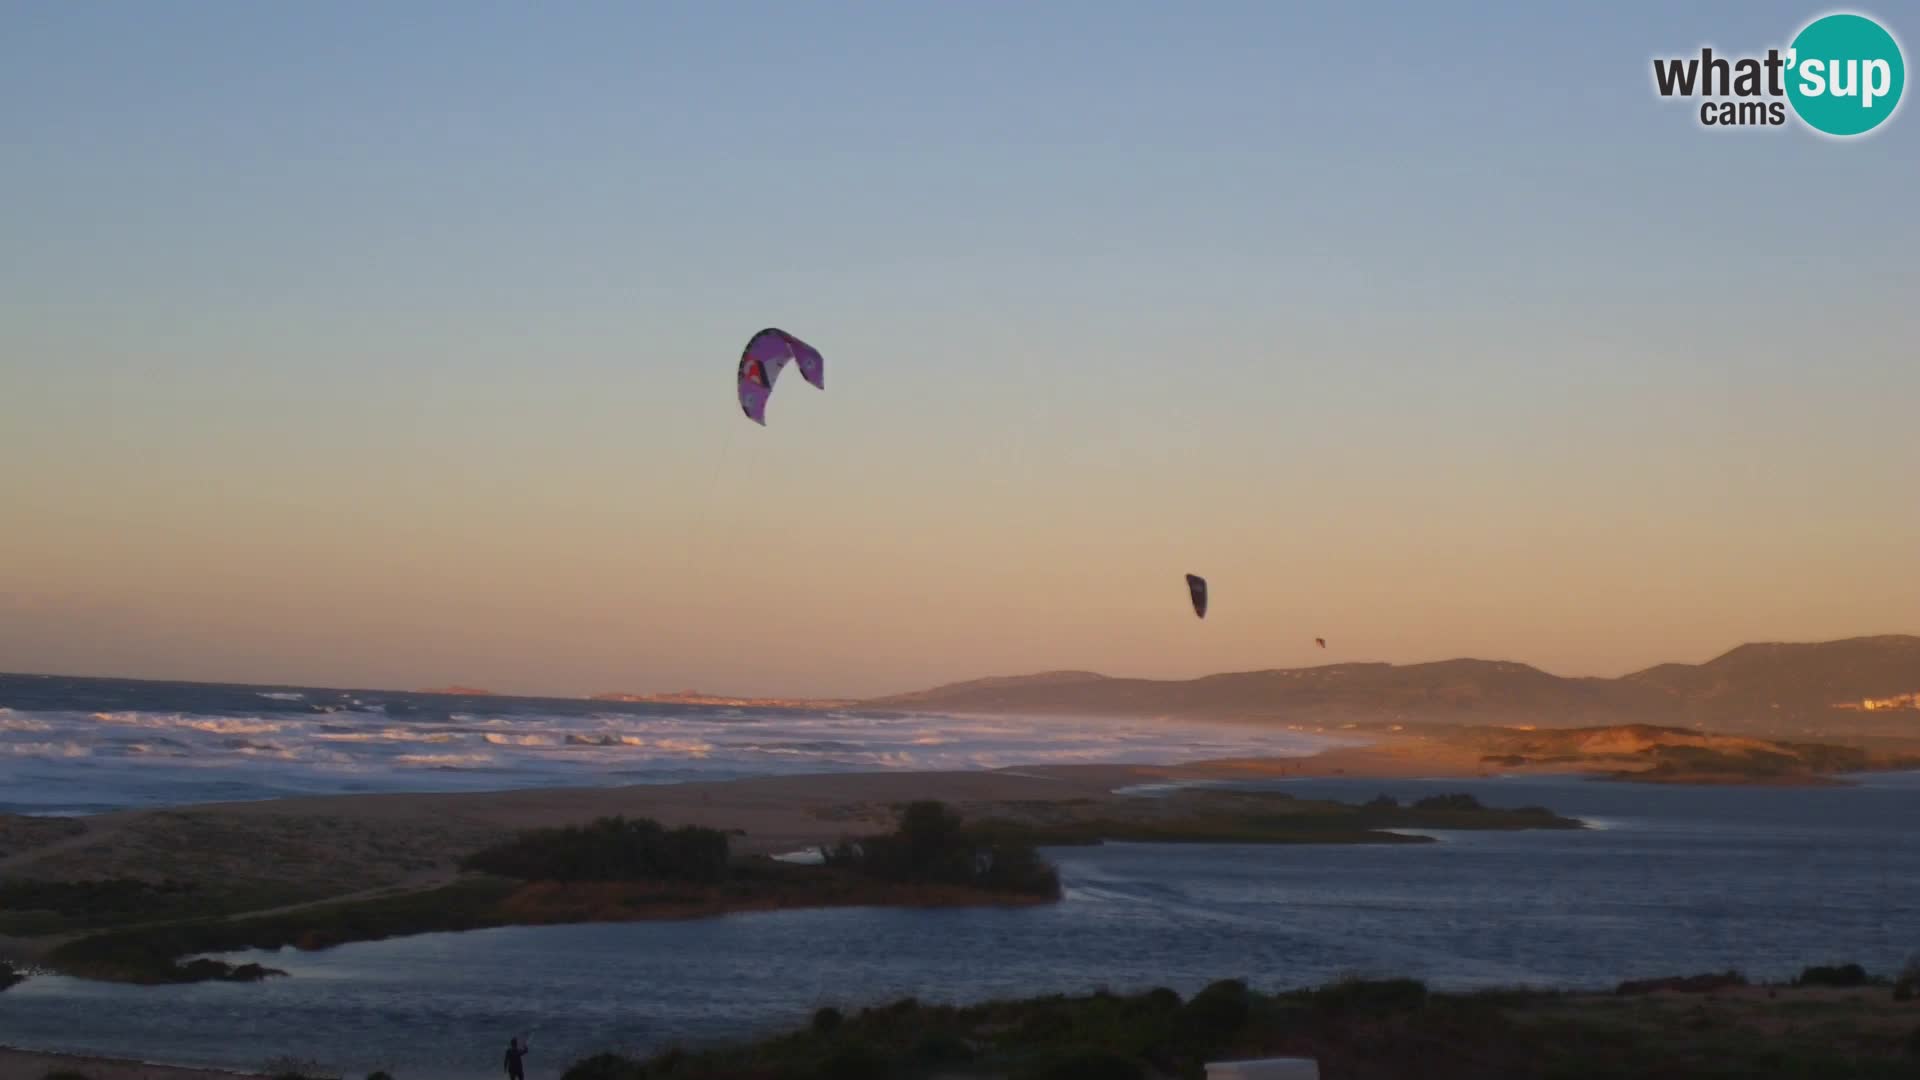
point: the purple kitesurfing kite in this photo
(766, 353)
(1197, 589)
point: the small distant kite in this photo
(1320, 641)
(1197, 588)
(768, 352)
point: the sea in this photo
(1664, 880)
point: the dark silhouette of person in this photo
(515, 1053)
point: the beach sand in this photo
(32, 1065)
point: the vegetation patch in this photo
(29, 907)
(611, 870)
(1684, 984)
(933, 846)
(1265, 817)
(608, 849)
(1841, 975)
(24, 832)
(1356, 1028)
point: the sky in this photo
(394, 345)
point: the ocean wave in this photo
(49, 749)
(152, 756)
(690, 747)
(605, 740)
(494, 738)
(390, 735)
(445, 761)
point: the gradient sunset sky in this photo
(356, 343)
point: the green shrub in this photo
(1906, 985)
(1161, 999)
(1686, 984)
(1089, 1063)
(1215, 1013)
(933, 846)
(826, 1020)
(1046, 1022)
(942, 1048)
(855, 1061)
(1845, 975)
(1371, 997)
(604, 1067)
(609, 849)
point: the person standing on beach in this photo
(515, 1053)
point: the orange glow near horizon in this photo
(419, 371)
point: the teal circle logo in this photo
(1845, 75)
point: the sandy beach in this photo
(33, 1065)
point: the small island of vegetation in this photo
(1227, 816)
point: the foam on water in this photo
(86, 760)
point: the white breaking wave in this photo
(136, 757)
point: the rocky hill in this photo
(1867, 685)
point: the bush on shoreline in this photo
(1906, 985)
(933, 846)
(609, 849)
(1840, 975)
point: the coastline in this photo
(1379, 1026)
(21, 1064)
(372, 843)
(310, 857)
(783, 811)
(312, 854)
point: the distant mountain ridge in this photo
(701, 697)
(1866, 685)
